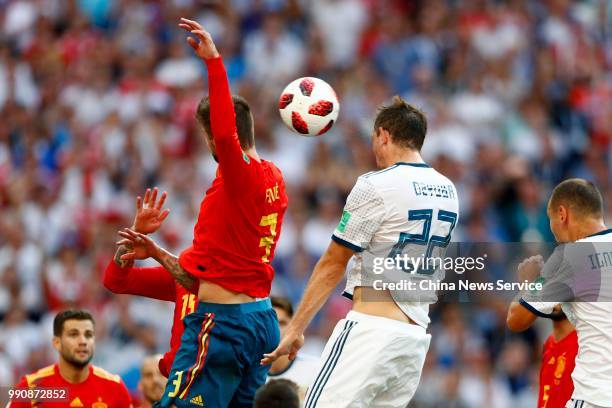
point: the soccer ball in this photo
(309, 106)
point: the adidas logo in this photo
(76, 402)
(197, 400)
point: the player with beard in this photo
(86, 384)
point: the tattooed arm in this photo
(140, 246)
(171, 263)
(122, 250)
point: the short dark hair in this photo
(70, 314)
(281, 393)
(406, 124)
(244, 119)
(580, 195)
(282, 303)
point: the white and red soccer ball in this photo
(309, 106)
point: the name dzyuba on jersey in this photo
(433, 190)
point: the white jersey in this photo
(592, 259)
(408, 208)
(301, 371)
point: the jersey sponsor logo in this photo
(346, 216)
(197, 400)
(272, 194)
(76, 402)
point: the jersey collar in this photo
(604, 232)
(412, 164)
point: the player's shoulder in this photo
(40, 375)
(104, 375)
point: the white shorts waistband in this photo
(384, 322)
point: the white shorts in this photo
(369, 361)
(574, 403)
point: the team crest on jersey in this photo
(246, 158)
(99, 404)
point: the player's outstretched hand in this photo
(530, 268)
(139, 245)
(290, 344)
(149, 214)
(204, 46)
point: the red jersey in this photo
(241, 215)
(155, 283)
(558, 361)
(100, 390)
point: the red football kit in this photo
(241, 215)
(558, 361)
(100, 390)
(155, 283)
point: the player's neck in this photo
(280, 365)
(72, 374)
(587, 228)
(398, 155)
(561, 329)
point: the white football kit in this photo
(372, 361)
(585, 269)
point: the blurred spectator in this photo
(97, 101)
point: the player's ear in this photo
(56, 343)
(563, 213)
(384, 135)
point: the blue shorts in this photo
(218, 363)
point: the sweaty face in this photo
(152, 382)
(283, 319)
(76, 344)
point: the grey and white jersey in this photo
(580, 277)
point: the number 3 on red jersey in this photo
(270, 220)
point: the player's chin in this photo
(81, 359)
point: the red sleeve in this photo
(238, 169)
(155, 282)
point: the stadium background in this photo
(97, 100)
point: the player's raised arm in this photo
(220, 115)
(327, 274)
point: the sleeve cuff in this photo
(534, 310)
(347, 244)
